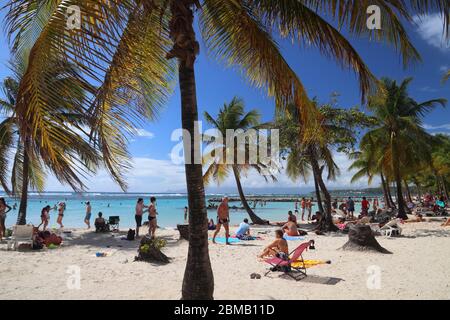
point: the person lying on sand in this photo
(211, 225)
(419, 218)
(278, 248)
(290, 228)
(446, 223)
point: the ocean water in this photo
(170, 208)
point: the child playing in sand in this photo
(277, 248)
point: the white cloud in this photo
(438, 127)
(444, 68)
(428, 89)
(430, 28)
(144, 133)
(152, 175)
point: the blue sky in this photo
(154, 171)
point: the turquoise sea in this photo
(170, 207)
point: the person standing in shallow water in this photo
(152, 217)
(303, 205)
(139, 211)
(45, 217)
(223, 218)
(61, 209)
(87, 218)
(309, 207)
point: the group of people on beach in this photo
(45, 215)
(141, 208)
(305, 205)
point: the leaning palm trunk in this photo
(255, 219)
(318, 195)
(419, 189)
(387, 199)
(408, 191)
(391, 200)
(444, 188)
(326, 224)
(198, 281)
(22, 216)
(398, 180)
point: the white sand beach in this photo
(417, 269)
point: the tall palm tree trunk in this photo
(318, 194)
(326, 224)
(391, 200)
(444, 188)
(408, 191)
(22, 216)
(255, 219)
(419, 189)
(198, 281)
(387, 199)
(398, 180)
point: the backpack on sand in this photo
(131, 235)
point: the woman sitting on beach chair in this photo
(278, 248)
(100, 224)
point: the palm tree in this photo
(127, 48)
(232, 116)
(75, 156)
(440, 162)
(313, 156)
(368, 164)
(446, 76)
(400, 133)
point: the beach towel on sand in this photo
(292, 238)
(309, 263)
(223, 240)
(247, 238)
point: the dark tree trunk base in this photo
(152, 253)
(326, 226)
(184, 231)
(361, 238)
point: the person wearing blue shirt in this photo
(243, 230)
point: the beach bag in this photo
(38, 243)
(131, 235)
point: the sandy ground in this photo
(419, 268)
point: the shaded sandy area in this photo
(417, 269)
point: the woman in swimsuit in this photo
(45, 217)
(4, 209)
(277, 248)
(62, 207)
(152, 217)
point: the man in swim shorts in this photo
(223, 218)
